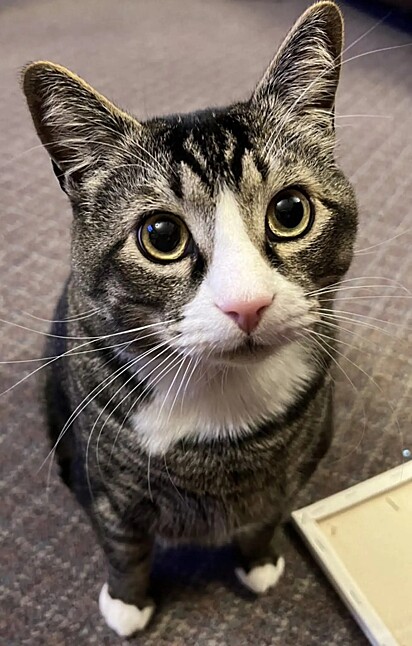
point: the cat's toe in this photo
(262, 577)
(124, 618)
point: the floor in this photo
(157, 57)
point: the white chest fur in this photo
(221, 402)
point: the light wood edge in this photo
(306, 521)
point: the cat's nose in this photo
(246, 314)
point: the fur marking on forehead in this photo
(238, 269)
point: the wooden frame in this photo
(319, 525)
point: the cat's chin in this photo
(246, 353)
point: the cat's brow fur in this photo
(218, 458)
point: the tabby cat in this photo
(192, 398)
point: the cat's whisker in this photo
(73, 141)
(133, 377)
(366, 297)
(118, 405)
(341, 293)
(70, 420)
(144, 150)
(318, 358)
(84, 338)
(118, 149)
(149, 487)
(337, 340)
(189, 363)
(148, 386)
(340, 328)
(323, 349)
(167, 470)
(97, 391)
(376, 51)
(372, 380)
(340, 284)
(73, 350)
(46, 334)
(322, 346)
(366, 33)
(143, 164)
(136, 144)
(146, 389)
(171, 480)
(383, 242)
(197, 361)
(138, 165)
(361, 324)
(353, 116)
(182, 361)
(73, 353)
(222, 379)
(205, 360)
(48, 363)
(363, 317)
(346, 288)
(84, 315)
(92, 395)
(66, 140)
(103, 385)
(366, 116)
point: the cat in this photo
(192, 398)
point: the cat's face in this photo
(220, 223)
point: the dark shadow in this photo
(189, 569)
(399, 16)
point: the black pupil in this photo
(164, 235)
(289, 211)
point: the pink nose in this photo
(246, 314)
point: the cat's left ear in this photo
(304, 74)
(80, 129)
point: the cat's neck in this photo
(212, 401)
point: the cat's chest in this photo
(231, 403)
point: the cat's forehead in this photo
(210, 148)
(203, 152)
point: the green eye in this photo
(163, 237)
(289, 215)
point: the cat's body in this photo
(195, 398)
(201, 491)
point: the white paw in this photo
(259, 579)
(123, 618)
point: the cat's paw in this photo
(262, 577)
(124, 618)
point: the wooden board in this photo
(362, 538)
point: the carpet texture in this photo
(154, 57)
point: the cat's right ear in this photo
(79, 127)
(303, 77)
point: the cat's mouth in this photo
(249, 350)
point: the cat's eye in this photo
(163, 237)
(289, 215)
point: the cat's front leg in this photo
(123, 600)
(260, 564)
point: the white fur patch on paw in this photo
(259, 579)
(123, 618)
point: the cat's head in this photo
(221, 222)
